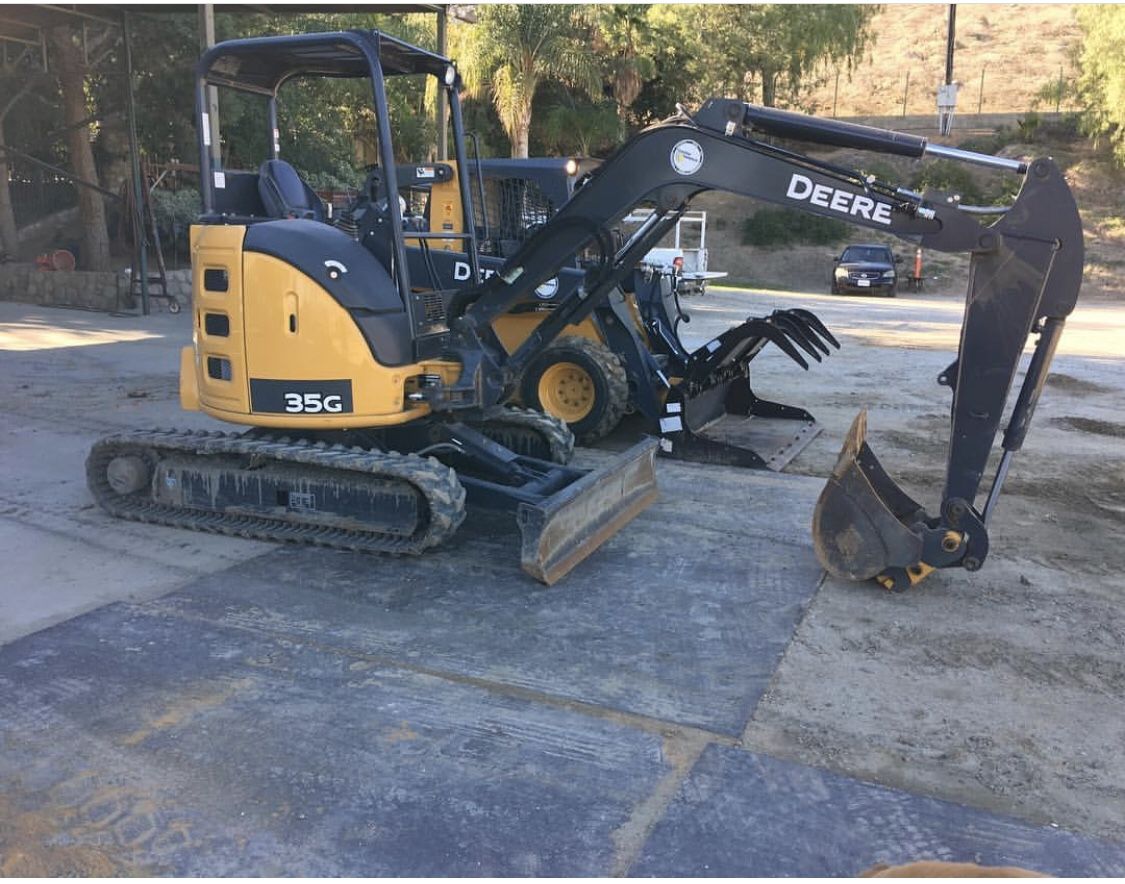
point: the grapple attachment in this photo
(713, 414)
(563, 529)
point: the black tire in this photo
(892, 291)
(834, 289)
(607, 380)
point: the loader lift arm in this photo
(1024, 278)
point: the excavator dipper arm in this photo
(1024, 278)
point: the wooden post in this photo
(140, 240)
(905, 91)
(980, 98)
(442, 104)
(206, 41)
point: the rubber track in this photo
(507, 424)
(434, 482)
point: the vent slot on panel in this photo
(433, 307)
(218, 368)
(216, 324)
(216, 279)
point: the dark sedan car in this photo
(865, 269)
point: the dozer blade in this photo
(864, 524)
(562, 530)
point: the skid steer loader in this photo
(305, 332)
(627, 356)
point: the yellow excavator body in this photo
(257, 316)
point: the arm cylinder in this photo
(786, 124)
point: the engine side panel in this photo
(276, 349)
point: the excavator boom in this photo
(1024, 278)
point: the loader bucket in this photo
(562, 530)
(862, 524)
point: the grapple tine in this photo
(794, 330)
(814, 322)
(773, 333)
(864, 524)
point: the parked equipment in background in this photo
(687, 265)
(314, 335)
(627, 355)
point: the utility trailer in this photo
(687, 265)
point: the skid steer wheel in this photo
(580, 381)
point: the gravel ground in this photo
(1003, 689)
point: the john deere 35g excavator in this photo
(313, 335)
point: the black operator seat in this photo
(285, 195)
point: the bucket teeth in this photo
(864, 524)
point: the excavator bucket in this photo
(563, 529)
(864, 524)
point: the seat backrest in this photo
(285, 195)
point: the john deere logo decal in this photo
(548, 289)
(687, 157)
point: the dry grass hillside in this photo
(1019, 47)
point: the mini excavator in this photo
(373, 407)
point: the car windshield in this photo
(855, 254)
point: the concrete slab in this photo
(670, 619)
(740, 814)
(137, 742)
(63, 556)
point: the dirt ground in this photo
(1002, 688)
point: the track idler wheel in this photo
(864, 525)
(128, 474)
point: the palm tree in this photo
(622, 28)
(513, 48)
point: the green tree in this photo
(623, 39)
(584, 129)
(763, 52)
(19, 81)
(512, 49)
(1102, 81)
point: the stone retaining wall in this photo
(56, 288)
(81, 288)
